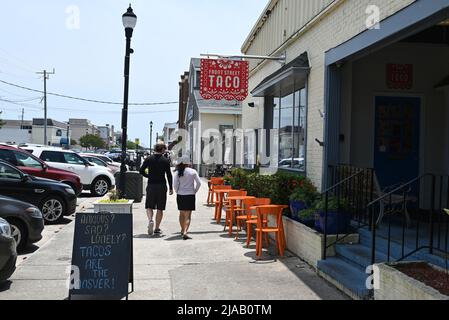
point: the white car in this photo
(102, 161)
(99, 180)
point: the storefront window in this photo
(286, 146)
(289, 116)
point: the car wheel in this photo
(100, 187)
(19, 233)
(53, 209)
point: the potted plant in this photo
(113, 204)
(338, 215)
(302, 198)
(307, 217)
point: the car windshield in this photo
(73, 158)
(96, 161)
(106, 159)
(26, 160)
(7, 172)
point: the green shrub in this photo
(306, 192)
(333, 204)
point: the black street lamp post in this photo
(129, 22)
(151, 135)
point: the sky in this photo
(84, 42)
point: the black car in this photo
(25, 219)
(53, 198)
(8, 253)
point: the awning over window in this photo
(286, 79)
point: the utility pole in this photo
(21, 123)
(46, 75)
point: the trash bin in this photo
(133, 186)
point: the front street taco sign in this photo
(223, 79)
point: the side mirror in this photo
(25, 178)
(44, 167)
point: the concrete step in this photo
(358, 254)
(396, 250)
(345, 276)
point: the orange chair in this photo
(229, 222)
(219, 201)
(264, 229)
(214, 181)
(249, 213)
(252, 220)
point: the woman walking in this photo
(186, 184)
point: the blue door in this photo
(397, 141)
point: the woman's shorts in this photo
(186, 203)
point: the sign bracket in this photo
(282, 59)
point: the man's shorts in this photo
(156, 197)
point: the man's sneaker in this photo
(157, 231)
(150, 228)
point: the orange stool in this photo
(213, 183)
(220, 192)
(232, 207)
(264, 229)
(253, 218)
(249, 213)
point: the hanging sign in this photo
(224, 79)
(399, 76)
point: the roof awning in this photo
(286, 79)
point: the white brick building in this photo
(343, 68)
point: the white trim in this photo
(227, 111)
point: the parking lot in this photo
(84, 201)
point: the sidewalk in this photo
(211, 266)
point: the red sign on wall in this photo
(399, 76)
(224, 79)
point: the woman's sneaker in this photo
(150, 228)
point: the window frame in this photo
(297, 105)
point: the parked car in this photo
(8, 252)
(25, 219)
(34, 166)
(298, 163)
(53, 198)
(99, 161)
(98, 180)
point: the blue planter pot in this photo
(337, 222)
(296, 207)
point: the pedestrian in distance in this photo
(186, 184)
(157, 169)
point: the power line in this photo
(87, 100)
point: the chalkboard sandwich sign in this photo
(101, 256)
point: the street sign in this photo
(224, 79)
(102, 255)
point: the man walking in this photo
(156, 168)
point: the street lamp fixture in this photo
(129, 22)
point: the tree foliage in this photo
(92, 141)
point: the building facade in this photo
(210, 125)
(345, 60)
(16, 132)
(169, 132)
(183, 99)
(57, 132)
(82, 127)
(107, 134)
